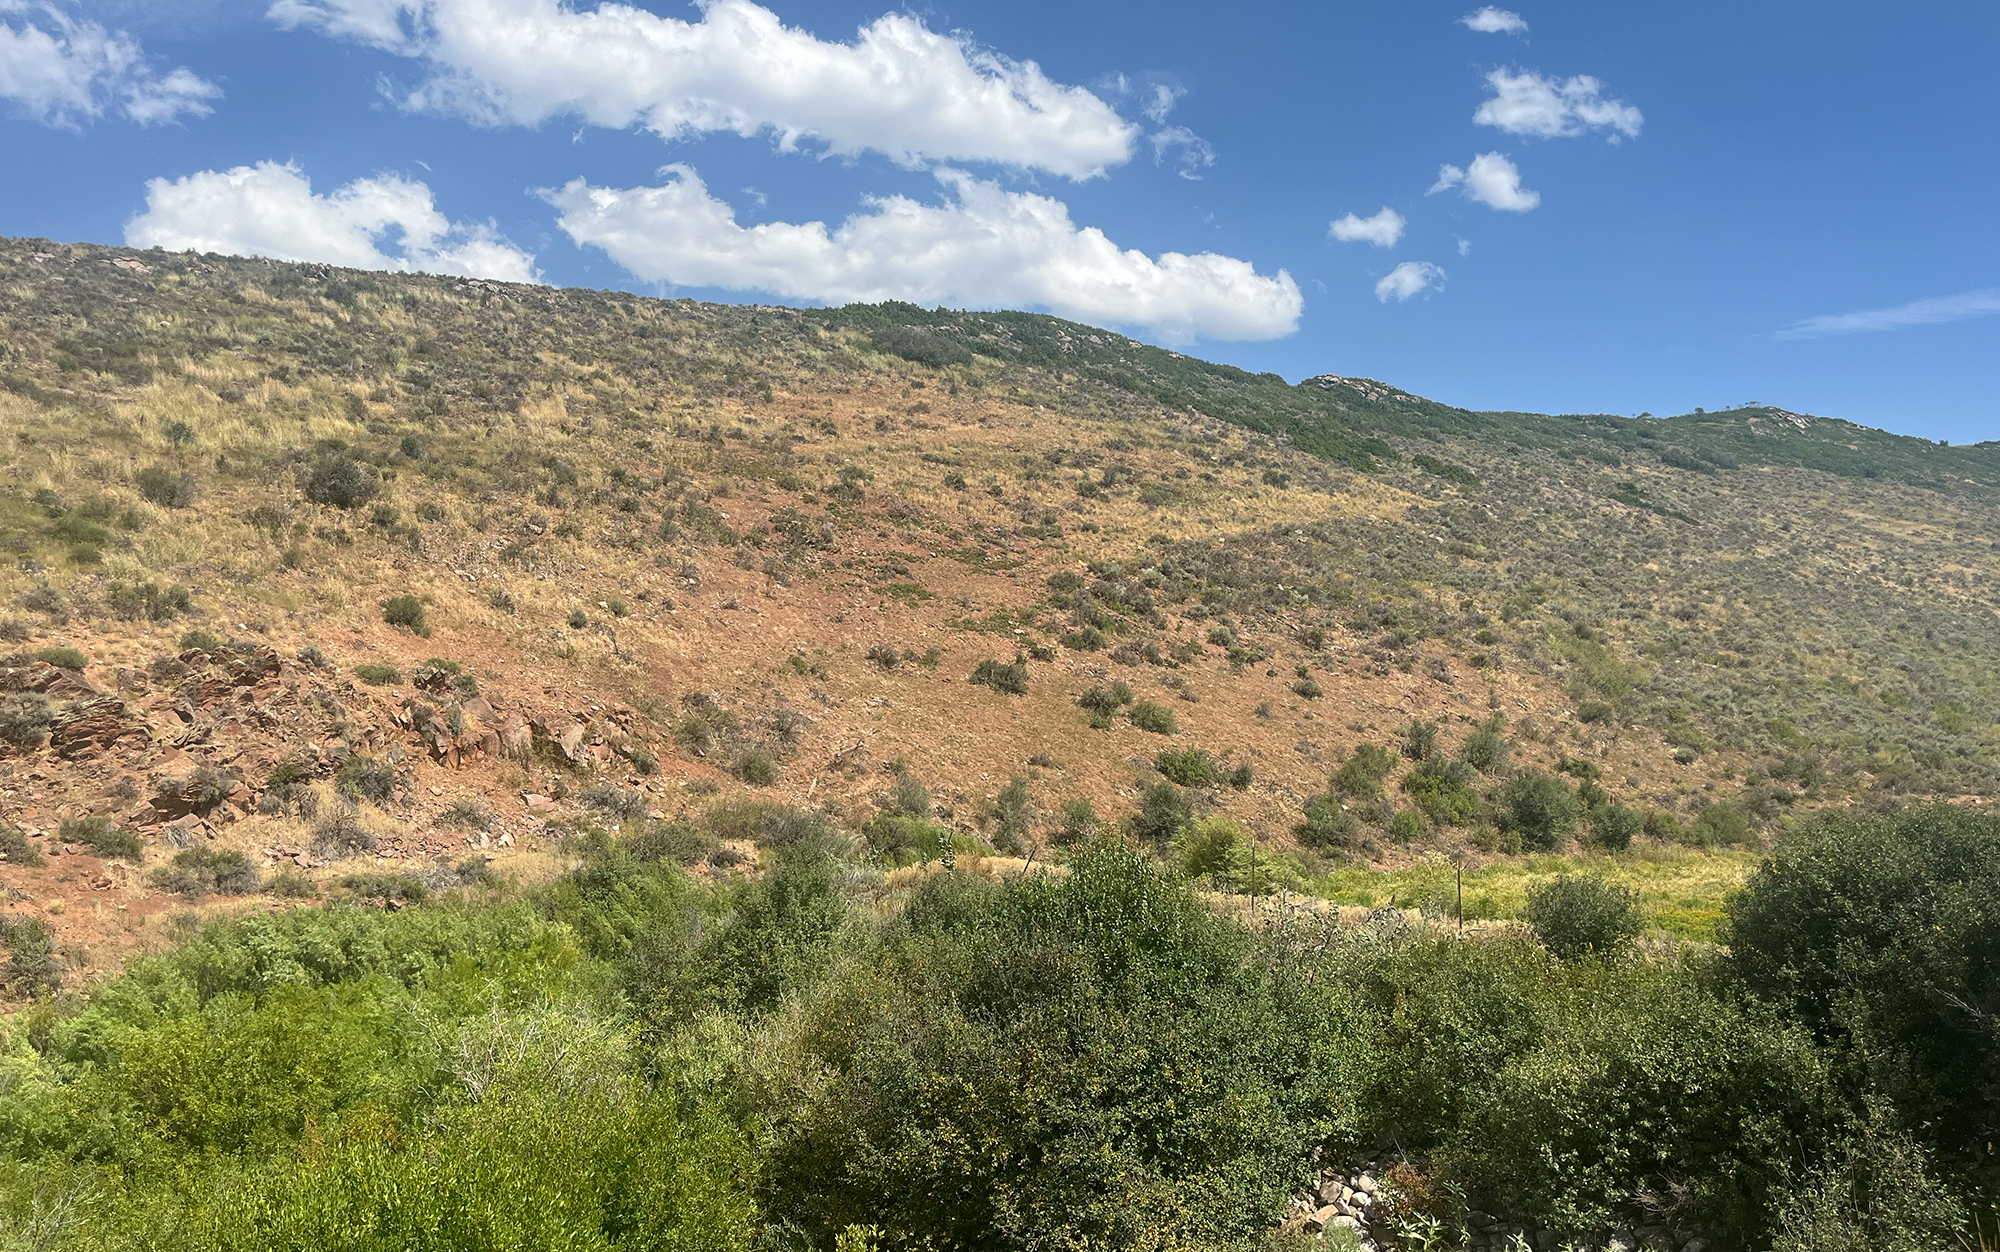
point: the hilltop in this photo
(337, 569)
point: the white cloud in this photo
(984, 246)
(1196, 153)
(1493, 21)
(1928, 312)
(1464, 246)
(1528, 104)
(900, 88)
(1382, 230)
(1492, 180)
(1409, 279)
(65, 72)
(270, 210)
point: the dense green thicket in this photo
(1086, 1058)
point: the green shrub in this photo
(1328, 828)
(377, 675)
(368, 778)
(1613, 825)
(17, 848)
(33, 968)
(62, 657)
(1879, 933)
(1443, 790)
(148, 602)
(1052, 1060)
(201, 871)
(406, 613)
(1208, 847)
(167, 487)
(1541, 809)
(1157, 718)
(578, 619)
(1011, 678)
(1576, 916)
(343, 482)
(1485, 749)
(756, 767)
(1103, 702)
(1190, 767)
(24, 718)
(1164, 811)
(102, 836)
(1361, 775)
(1720, 824)
(199, 641)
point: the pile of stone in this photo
(1351, 1202)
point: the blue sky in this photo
(1647, 207)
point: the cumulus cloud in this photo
(1493, 21)
(270, 210)
(900, 88)
(1492, 180)
(1408, 279)
(983, 246)
(1928, 312)
(1382, 230)
(64, 72)
(1528, 104)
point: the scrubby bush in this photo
(200, 871)
(1164, 811)
(147, 601)
(368, 778)
(1576, 916)
(24, 719)
(377, 675)
(166, 486)
(1190, 767)
(1327, 827)
(339, 480)
(406, 613)
(1613, 825)
(617, 803)
(1485, 749)
(341, 835)
(1361, 775)
(102, 836)
(755, 766)
(1010, 678)
(1103, 702)
(33, 968)
(199, 640)
(17, 848)
(1720, 824)
(1157, 718)
(62, 657)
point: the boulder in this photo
(95, 725)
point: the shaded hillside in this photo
(426, 567)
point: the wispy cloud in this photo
(1927, 312)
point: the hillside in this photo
(661, 555)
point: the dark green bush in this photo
(1882, 934)
(1327, 828)
(376, 675)
(1157, 718)
(200, 641)
(1103, 703)
(1087, 1061)
(756, 767)
(368, 778)
(1164, 811)
(1613, 825)
(1576, 916)
(406, 613)
(1541, 809)
(33, 968)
